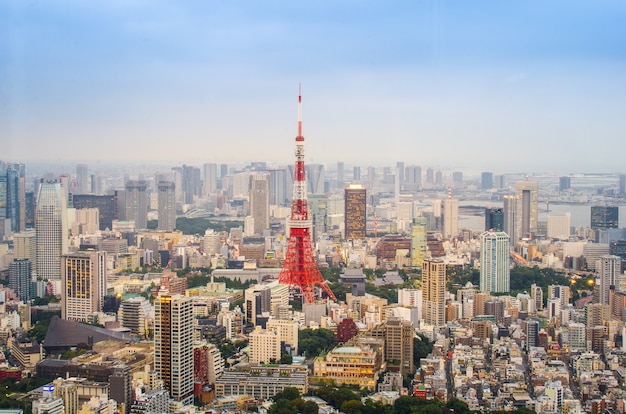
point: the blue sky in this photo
(498, 85)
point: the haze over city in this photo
(509, 86)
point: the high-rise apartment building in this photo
(609, 269)
(419, 245)
(264, 346)
(434, 288)
(20, 278)
(494, 262)
(486, 180)
(136, 203)
(50, 230)
(494, 219)
(527, 207)
(260, 202)
(173, 345)
(166, 194)
(134, 314)
(84, 284)
(398, 335)
(355, 211)
(604, 217)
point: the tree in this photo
(352, 407)
(310, 407)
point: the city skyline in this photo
(449, 85)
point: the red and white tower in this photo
(300, 268)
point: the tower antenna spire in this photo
(299, 137)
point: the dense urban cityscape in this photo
(303, 288)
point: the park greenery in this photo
(313, 342)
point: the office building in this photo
(135, 314)
(166, 191)
(50, 230)
(450, 217)
(262, 382)
(82, 180)
(494, 262)
(434, 291)
(355, 211)
(511, 217)
(209, 179)
(260, 202)
(287, 332)
(565, 183)
(315, 178)
(486, 180)
(494, 219)
(457, 177)
(20, 279)
(279, 195)
(136, 203)
(559, 226)
(106, 205)
(12, 198)
(356, 173)
(318, 213)
(527, 207)
(350, 366)
(604, 217)
(412, 178)
(24, 246)
(622, 185)
(191, 183)
(173, 345)
(609, 269)
(84, 285)
(341, 174)
(264, 346)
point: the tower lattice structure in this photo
(300, 268)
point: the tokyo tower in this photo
(300, 268)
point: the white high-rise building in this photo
(84, 284)
(264, 346)
(494, 262)
(173, 345)
(50, 230)
(609, 268)
(287, 330)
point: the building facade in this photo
(494, 262)
(355, 215)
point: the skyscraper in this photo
(494, 219)
(527, 207)
(434, 290)
(173, 345)
(356, 173)
(419, 247)
(24, 246)
(167, 205)
(355, 211)
(494, 262)
(315, 178)
(260, 202)
(511, 217)
(136, 203)
(19, 278)
(486, 180)
(191, 183)
(82, 179)
(209, 178)
(12, 198)
(84, 284)
(609, 269)
(450, 217)
(604, 217)
(341, 174)
(565, 183)
(50, 230)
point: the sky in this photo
(507, 86)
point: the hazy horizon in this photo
(507, 86)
